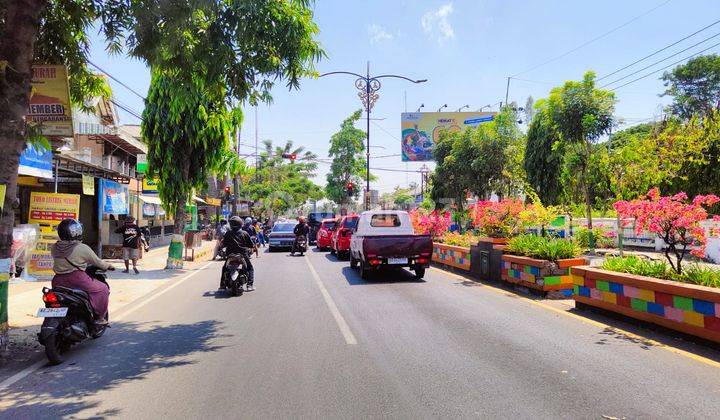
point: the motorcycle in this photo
(235, 275)
(301, 245)
(69, 318)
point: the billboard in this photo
(421, 130)
(52, 208)
(114, 197)
(50, 100)
(36, 161)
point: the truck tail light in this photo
(375, 261)
(421, 260)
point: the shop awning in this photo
(151, 199)
(198, 199)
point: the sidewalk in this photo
(26, 297)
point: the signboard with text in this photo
(49, 104)
(421, 130)
(36, 161)
(52, 208)
(114, 197)
(149, 185)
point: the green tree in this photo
(694, 86)
(582, 114)
(348, 163)
(544, 157)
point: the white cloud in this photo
(378, 33)
(436, 24)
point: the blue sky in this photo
(466, 49)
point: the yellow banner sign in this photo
(213, 201)
(41, 262)
(51, 208)
(88, 184)
(50, 100)
(149, 185)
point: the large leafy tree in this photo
(582, 114)
(694, 86)
(544, 156)
(348, 162)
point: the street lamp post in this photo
(368, 87)
(463, 107)
(441, 108)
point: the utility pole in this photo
(507, 91)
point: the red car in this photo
(340, 244)
(324, 235)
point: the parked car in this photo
(340, 244)
(281, 235)
(386, 238)
(314, 219)
(324, 234)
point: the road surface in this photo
(316, 341)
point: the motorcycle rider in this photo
(249, 227)
(222, 227)
(70, 259)
(237, 241)
(301, 229)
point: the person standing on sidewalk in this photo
(131, 243)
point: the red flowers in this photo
(498, 219)
(675, 220)
(435, 223)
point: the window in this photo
(350, 222)
(328, 225)
(385, 220)
(283, 227)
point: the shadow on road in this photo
(218, 294)
(128, 352)
(391, 275)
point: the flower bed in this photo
(688, 308)
(542, 275)
(454, 256)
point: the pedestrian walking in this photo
(132, 239)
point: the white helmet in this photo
(248, 220)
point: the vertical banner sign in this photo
(421, 130)
(36, 161)
(50, 100)
(142, 165)
(3, 188)
(114, 197)
(88, 184)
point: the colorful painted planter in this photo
(687, 308)
(454, 256)
(542, 275)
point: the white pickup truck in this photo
(386, 238)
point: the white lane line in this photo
(341, 323)
(42, 362)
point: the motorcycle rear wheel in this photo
(53, 349)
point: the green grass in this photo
(551, 249)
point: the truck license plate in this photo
(52, 312)
(397, 260)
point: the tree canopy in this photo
(694, 86)
(348, 163)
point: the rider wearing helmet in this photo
(222, 227)
(70, 259)
(301, 229)
(237, 241)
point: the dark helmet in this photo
(223, 221)
(70, 230)
(236, 223)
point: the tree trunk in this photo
(17, 43)
(586, 192)
(180, 217)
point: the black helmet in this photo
(70, 230)
(223, 221)
(236, 223)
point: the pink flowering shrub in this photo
(674, 219)
(498, 219)
(435, 223)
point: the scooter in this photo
(301, 245)
(69, 318)
(236, 274)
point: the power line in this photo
(660, 61)
(579, 47)
(666, 67)
(661, 50)
(117, 80)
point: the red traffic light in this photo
(349, 186)
(290, 156)
(227, 189)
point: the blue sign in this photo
(114, 197)
(36, 161)
(475, 121)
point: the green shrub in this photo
(465, 240)
(604, 237)
(693, 273)
(551, 249)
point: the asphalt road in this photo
(316, 341)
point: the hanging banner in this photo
(148, 210)
(41, 261)
(51, 208)
(114, 197)
(88, 184)
(50, 100)
(421, 130)
(142, 165)
(149, 185)
(36, 161)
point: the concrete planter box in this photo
(688, 308)
(541, 275)
(454, 256)
(486, 258)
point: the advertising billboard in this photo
(421, 130)
(50, 100)
(36, 161)
(114, 197)
(51, 208)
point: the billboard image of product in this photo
(421, 130)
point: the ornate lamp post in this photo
(367, 87)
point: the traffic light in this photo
(290, 156)
(350, 188)
(227, 193)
